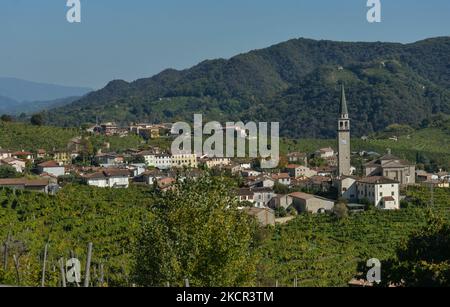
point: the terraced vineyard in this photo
(322, 251)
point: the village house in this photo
(250, 173)
(444, 184)
(282, 178)
(300, 171)
(280, 201)
(75, 144)
(61, 156)
(166, 184)
(41, 154)
(52, 168)
(215, 162)
(4, 153)
(109, 129)
(245, 194)
(23, 155)
(146, 131)
(18, 164)
(152, 176)
(33, 185)
(443, 175)
(326, 171)
(244, 163)
(325, 153)
(265, 216)
(109, 178)
(381, 192)
(261, 181)
(304, 202)
(262, 196)
(233, 168)
(423, 176)
(109, 159)
(319, 183)
(298, 158)
(136, 169)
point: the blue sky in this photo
(130, 39)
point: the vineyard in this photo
(20, 136)
(313, 250)
(77, 215)
(321, 251)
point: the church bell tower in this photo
(344, 138)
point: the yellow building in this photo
(184, 160)
(62, 157)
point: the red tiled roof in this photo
(24, 182)
(290, 166)
(22, 153)
(280, 176)
(377, 180)
(49, 164)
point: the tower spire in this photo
(344, 109)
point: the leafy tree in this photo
(197, 233)
(424, 261)
(7, 171)
(37, 120)
(280, 212)
(281, 188)
(340, 210)
(317, 162)
(6, 118)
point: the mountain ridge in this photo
(234, 88)
(28, 91)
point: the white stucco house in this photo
(109, 178)
(52, 168)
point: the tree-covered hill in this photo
(294, 82)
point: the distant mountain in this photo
(14, 107)
(295, 83)
(21, 90)
(17, 96)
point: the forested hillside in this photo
(295, 82)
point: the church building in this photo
(382, 192)
(344, 154)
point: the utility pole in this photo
(63, 273)
(44, 265)
(88, 265)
